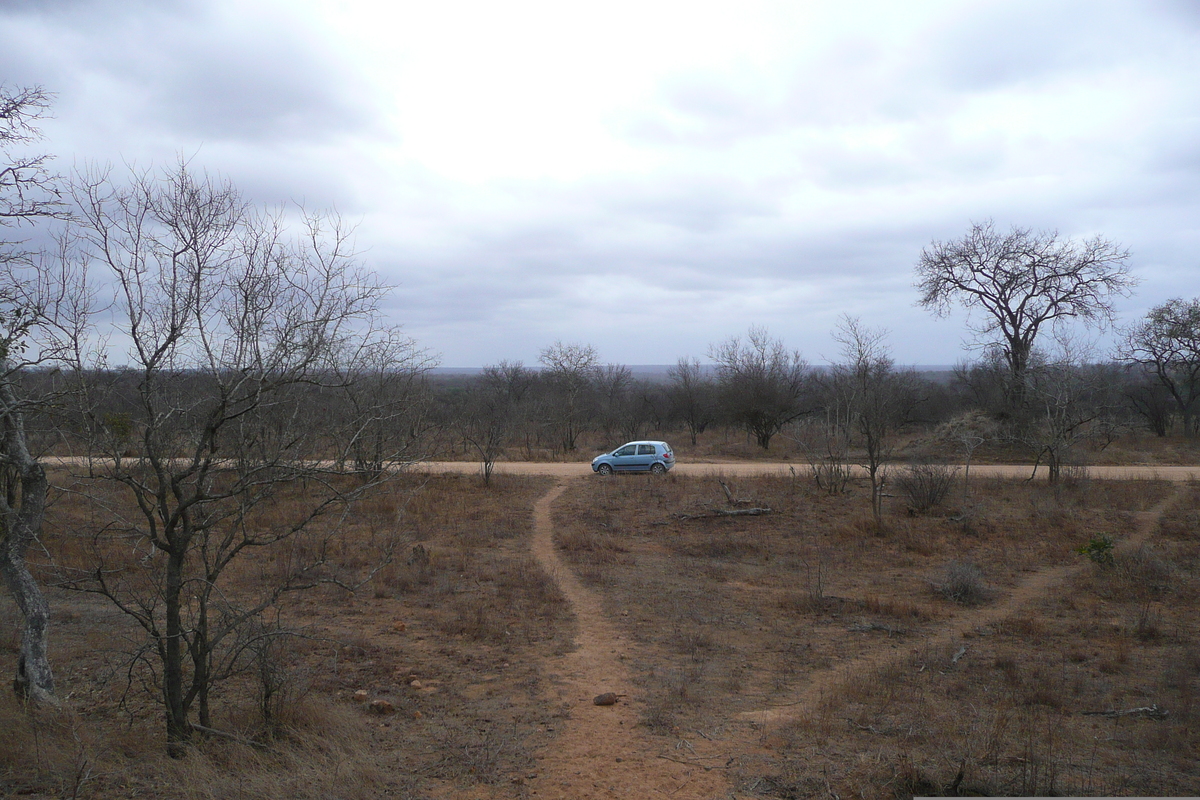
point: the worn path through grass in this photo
(600, 752)
(806, 698)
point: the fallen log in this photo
(1150, 712)
(741, 512)
(867, 627)
(726, 512)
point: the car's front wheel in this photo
(658, 469)
(604, 469)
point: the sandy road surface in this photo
(577, 469)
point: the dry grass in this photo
(724, 617)
(735, 615)
(462, 609)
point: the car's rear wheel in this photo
(604, 469)
(658, 469)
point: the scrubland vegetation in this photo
(812, 650)
(882, 663)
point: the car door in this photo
(647, 455)
(625, 458)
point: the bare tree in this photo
(762, 383)
(691, 396)
(1067, 402)
(877, 399)
(1150, 400)
(1021, 282)
(1167, 344)
(493, 406)
(38, 312)
(235, 331)
(569, 372)
(969, 431)
(380, 409)
(613, 392)
(29, 191)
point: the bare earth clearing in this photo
(800, 653)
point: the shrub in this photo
(962, 582)
(1099, 549)
(926, 485)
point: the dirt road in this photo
(577, 469)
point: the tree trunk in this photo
(21, 518)
(876, 496)
(34, 678)
(1018, 364)
(178, 729)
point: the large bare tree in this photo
(237, 333)
(1019, 283)
(37, 309)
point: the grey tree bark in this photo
(22, 509)
(28, 195)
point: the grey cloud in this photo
(695, 204)
(252, 88)
(177, 70)
(1006, 43)
(856, 80)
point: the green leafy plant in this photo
(1099, 549)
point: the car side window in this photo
(645, 449)
(628, 450)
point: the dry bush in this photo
(47, 752)
(1145, 571)
(925, 485)
(962, 582)
(475, 753)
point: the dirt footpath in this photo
(601, 752)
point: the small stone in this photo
(381, 707)
(417, 715)
(361, 696)
(399, 627)
(606, 699)
(415, 684)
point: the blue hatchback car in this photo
(645, 456)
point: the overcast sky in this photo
(652, 177)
